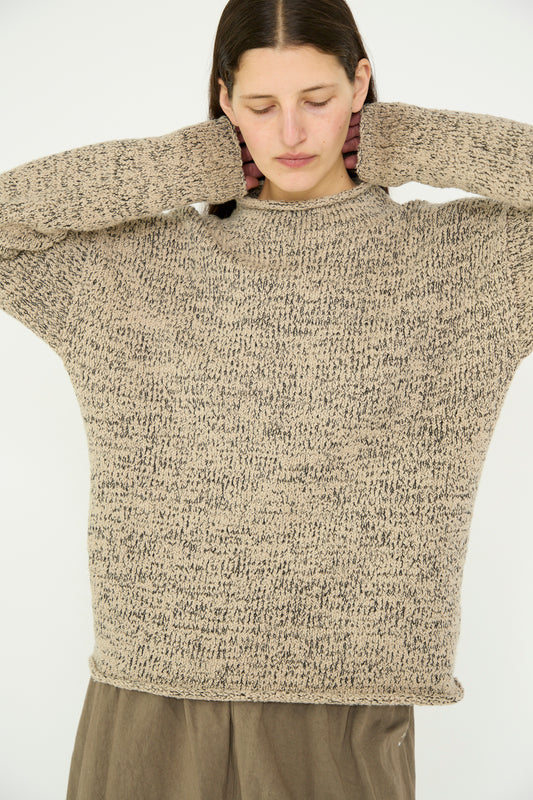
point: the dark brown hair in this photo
(244, 25)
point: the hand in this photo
(250, 169)
(351, 145)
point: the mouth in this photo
(300, 161)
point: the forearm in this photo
(478, 153)
(50, 207)
(99, 185)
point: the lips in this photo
(294, 163)
(291, 157)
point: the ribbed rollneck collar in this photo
(256, 217)
(252, 202)
(274, 231)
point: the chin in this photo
(296, 181)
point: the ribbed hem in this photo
(265, 695)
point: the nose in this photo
(292, 130)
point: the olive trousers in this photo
(133, 745)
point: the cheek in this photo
(342, 125)
(258, 145)
(334, 133)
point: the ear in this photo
(363, 73)
(225, 104)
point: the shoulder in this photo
(466, 221)
(461, 210)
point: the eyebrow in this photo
(266, 96)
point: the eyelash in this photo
(264, 110)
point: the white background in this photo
(74, 73)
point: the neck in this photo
(270, 191)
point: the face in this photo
(293, 118)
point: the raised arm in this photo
(48, 206)
(478, 153)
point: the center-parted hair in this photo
(245, 25)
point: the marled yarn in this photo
(288, 410)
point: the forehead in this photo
(267, 72)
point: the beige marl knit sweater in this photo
(288, 410)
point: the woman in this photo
(287, 402)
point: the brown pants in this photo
(138, 746)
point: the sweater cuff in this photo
(397, 144)
(378, 157)
(437, 147)
(214, 162)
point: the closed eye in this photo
(264, 110)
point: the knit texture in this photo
(288, 410)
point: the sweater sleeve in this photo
(478, 153)
(49, 207)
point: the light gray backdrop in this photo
(75, 73)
